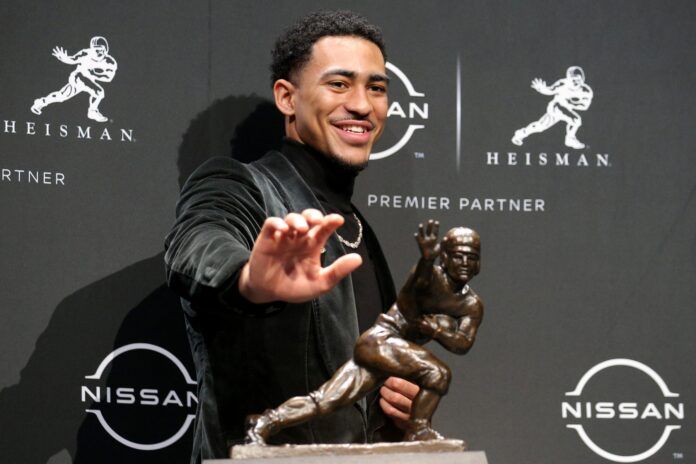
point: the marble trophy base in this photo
(430, 452)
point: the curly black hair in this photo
(293, 49)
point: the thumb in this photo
(333, 274)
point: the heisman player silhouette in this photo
(94, 65)
(570, 95)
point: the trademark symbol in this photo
(678, 455)
(419, 155)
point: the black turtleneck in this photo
(332, 184)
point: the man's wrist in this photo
(246, 289)
(233, 298)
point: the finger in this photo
(297, 223)
(406, 388)
(315, 220)
(312, 216)
(329, 224)
(340, 268)
(431, 227)
(273, 228)
(420, 229)
(391, 411)
(436, 228)
(396, 399)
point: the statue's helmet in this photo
(99, 41)
(574, 72)
(462, 237)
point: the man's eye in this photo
(338, 85)
(378, 88)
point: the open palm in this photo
(285, 263)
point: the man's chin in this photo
(349, 164)
(353, 167)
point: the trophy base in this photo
(419, 452)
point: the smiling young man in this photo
(278, 271)
(337, 103)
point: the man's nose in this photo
(358, 102)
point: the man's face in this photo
(99, 51)
(340, 99)
(577, 80)
(462, 263)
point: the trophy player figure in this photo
(94, 65)
(436, 303)
(569, 96)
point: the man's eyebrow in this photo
(376, 77)
(339, 72)
(379, 78)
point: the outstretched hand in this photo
(427, 239)
(285, 263)
(539, 85)
(61, 54)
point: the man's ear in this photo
(284, 94)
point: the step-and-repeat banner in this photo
(562, 131)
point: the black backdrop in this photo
(589, 254)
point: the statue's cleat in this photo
(259, 427)
(423, 434)
(253, 437)
(572, 142)
(37, 106)
(517, 138)
(96, 116)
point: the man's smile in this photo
(354, 131)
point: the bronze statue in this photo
(435, 304)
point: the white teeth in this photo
(356, 129)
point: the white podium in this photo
(425, 452)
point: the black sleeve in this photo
(218, 217)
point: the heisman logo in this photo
(626, 412)
(412, 112)
(94, 65)
(570, 95)
(112, 399)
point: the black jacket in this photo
(249, 358)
